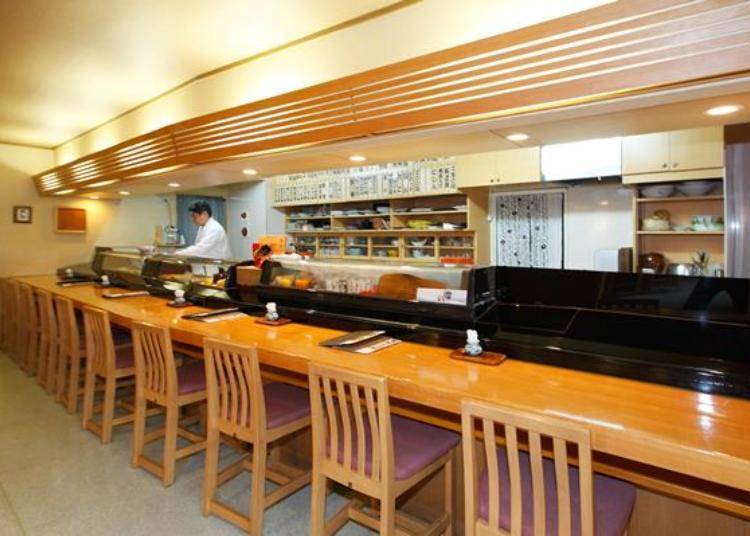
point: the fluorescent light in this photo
(518, 136)
(123, 192)
(249, 171)
(174, 185)
(102, 183)
(724, 110)
(65, 192)
(357, 158)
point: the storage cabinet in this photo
(666, 156)
(513, 166)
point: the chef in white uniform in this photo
(211, 241)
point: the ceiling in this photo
(661, 111)
(68, 66)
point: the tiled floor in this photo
(58, 480)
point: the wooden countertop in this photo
(701, 435)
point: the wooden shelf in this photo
(682, 233)
(385, 232)
(345, 217)
(429, 213)
(308, 217)
(456, 247)
(679, 199)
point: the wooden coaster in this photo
(485, 358)
(279, 322)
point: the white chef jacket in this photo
(211, 242)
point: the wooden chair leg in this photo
(210, 478)
(170, 443)
(139, 429)
(41, 369)
(258, 498)
(318, 510)
(88, 398)
(387, 513)
(49, 380)
(108, 409)
(73, 379)
(448, 495)
(61, 377)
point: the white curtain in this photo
(528, 230)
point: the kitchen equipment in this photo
(707, 223)
(658, 221)
(657, 190)
(682, 268)
(652, 263)
(696, 188)
(570, 161)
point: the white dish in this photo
(696, 188)
(657, 190)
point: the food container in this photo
(655, 224)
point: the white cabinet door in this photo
(647, 153)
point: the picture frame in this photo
(70, 220)
(22, 214)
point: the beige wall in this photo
(421, 28)
(36, 248)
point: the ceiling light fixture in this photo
(94, 197)
(249, 171)
(123, 192)
(174, 184)
(518, 136)
(65, 192)
(102, 183)
(357, 158)
(723, 110)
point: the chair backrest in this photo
(351, 411)
(19, 324)
(100, 349)
(67, 327)
(6, 322)
(539, 430)
(155, 368)
(28, 301)
(4, 313)
(234, 389)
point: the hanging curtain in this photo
(528, 230)
(185, 223)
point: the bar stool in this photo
(48, 341)
(525, 493)
(359, 444)
(241, 407)
(106, 363)
(159, 381)
(71, 352)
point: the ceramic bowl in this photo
(657, 190)
(696, 188)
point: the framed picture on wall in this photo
(22, 214)
(70, 220)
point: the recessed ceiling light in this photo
(123, 192)
(174, 184)
(102, 183)
(94, 197)
(65, 192)
(357, 158)
(724, 110)
(249, 171)
(518, 136)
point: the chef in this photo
(211, 241)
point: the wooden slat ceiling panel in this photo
(617, 49)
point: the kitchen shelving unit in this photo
(679, 246)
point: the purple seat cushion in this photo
(191, 378)
(124, 358)
(415, 445)
(284, 404)
(613, 499)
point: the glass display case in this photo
(413, 293)
(200, 278)
(123, 267)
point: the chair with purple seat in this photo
(242, 407)
(161, 383)
(105, 364)
(359, 444)
(523, 493)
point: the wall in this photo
(596, 217)
(253, 199)
(36, 248)
(427, 26)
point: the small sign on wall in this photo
(22, 214)
(70, 220)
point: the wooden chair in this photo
(68, 385)
(5, 313)
(241, 407)
(17, 332)
(29, 355)
(109, 365)
(48, 341)
(521, 492)
(360, 445)
(159, 381)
